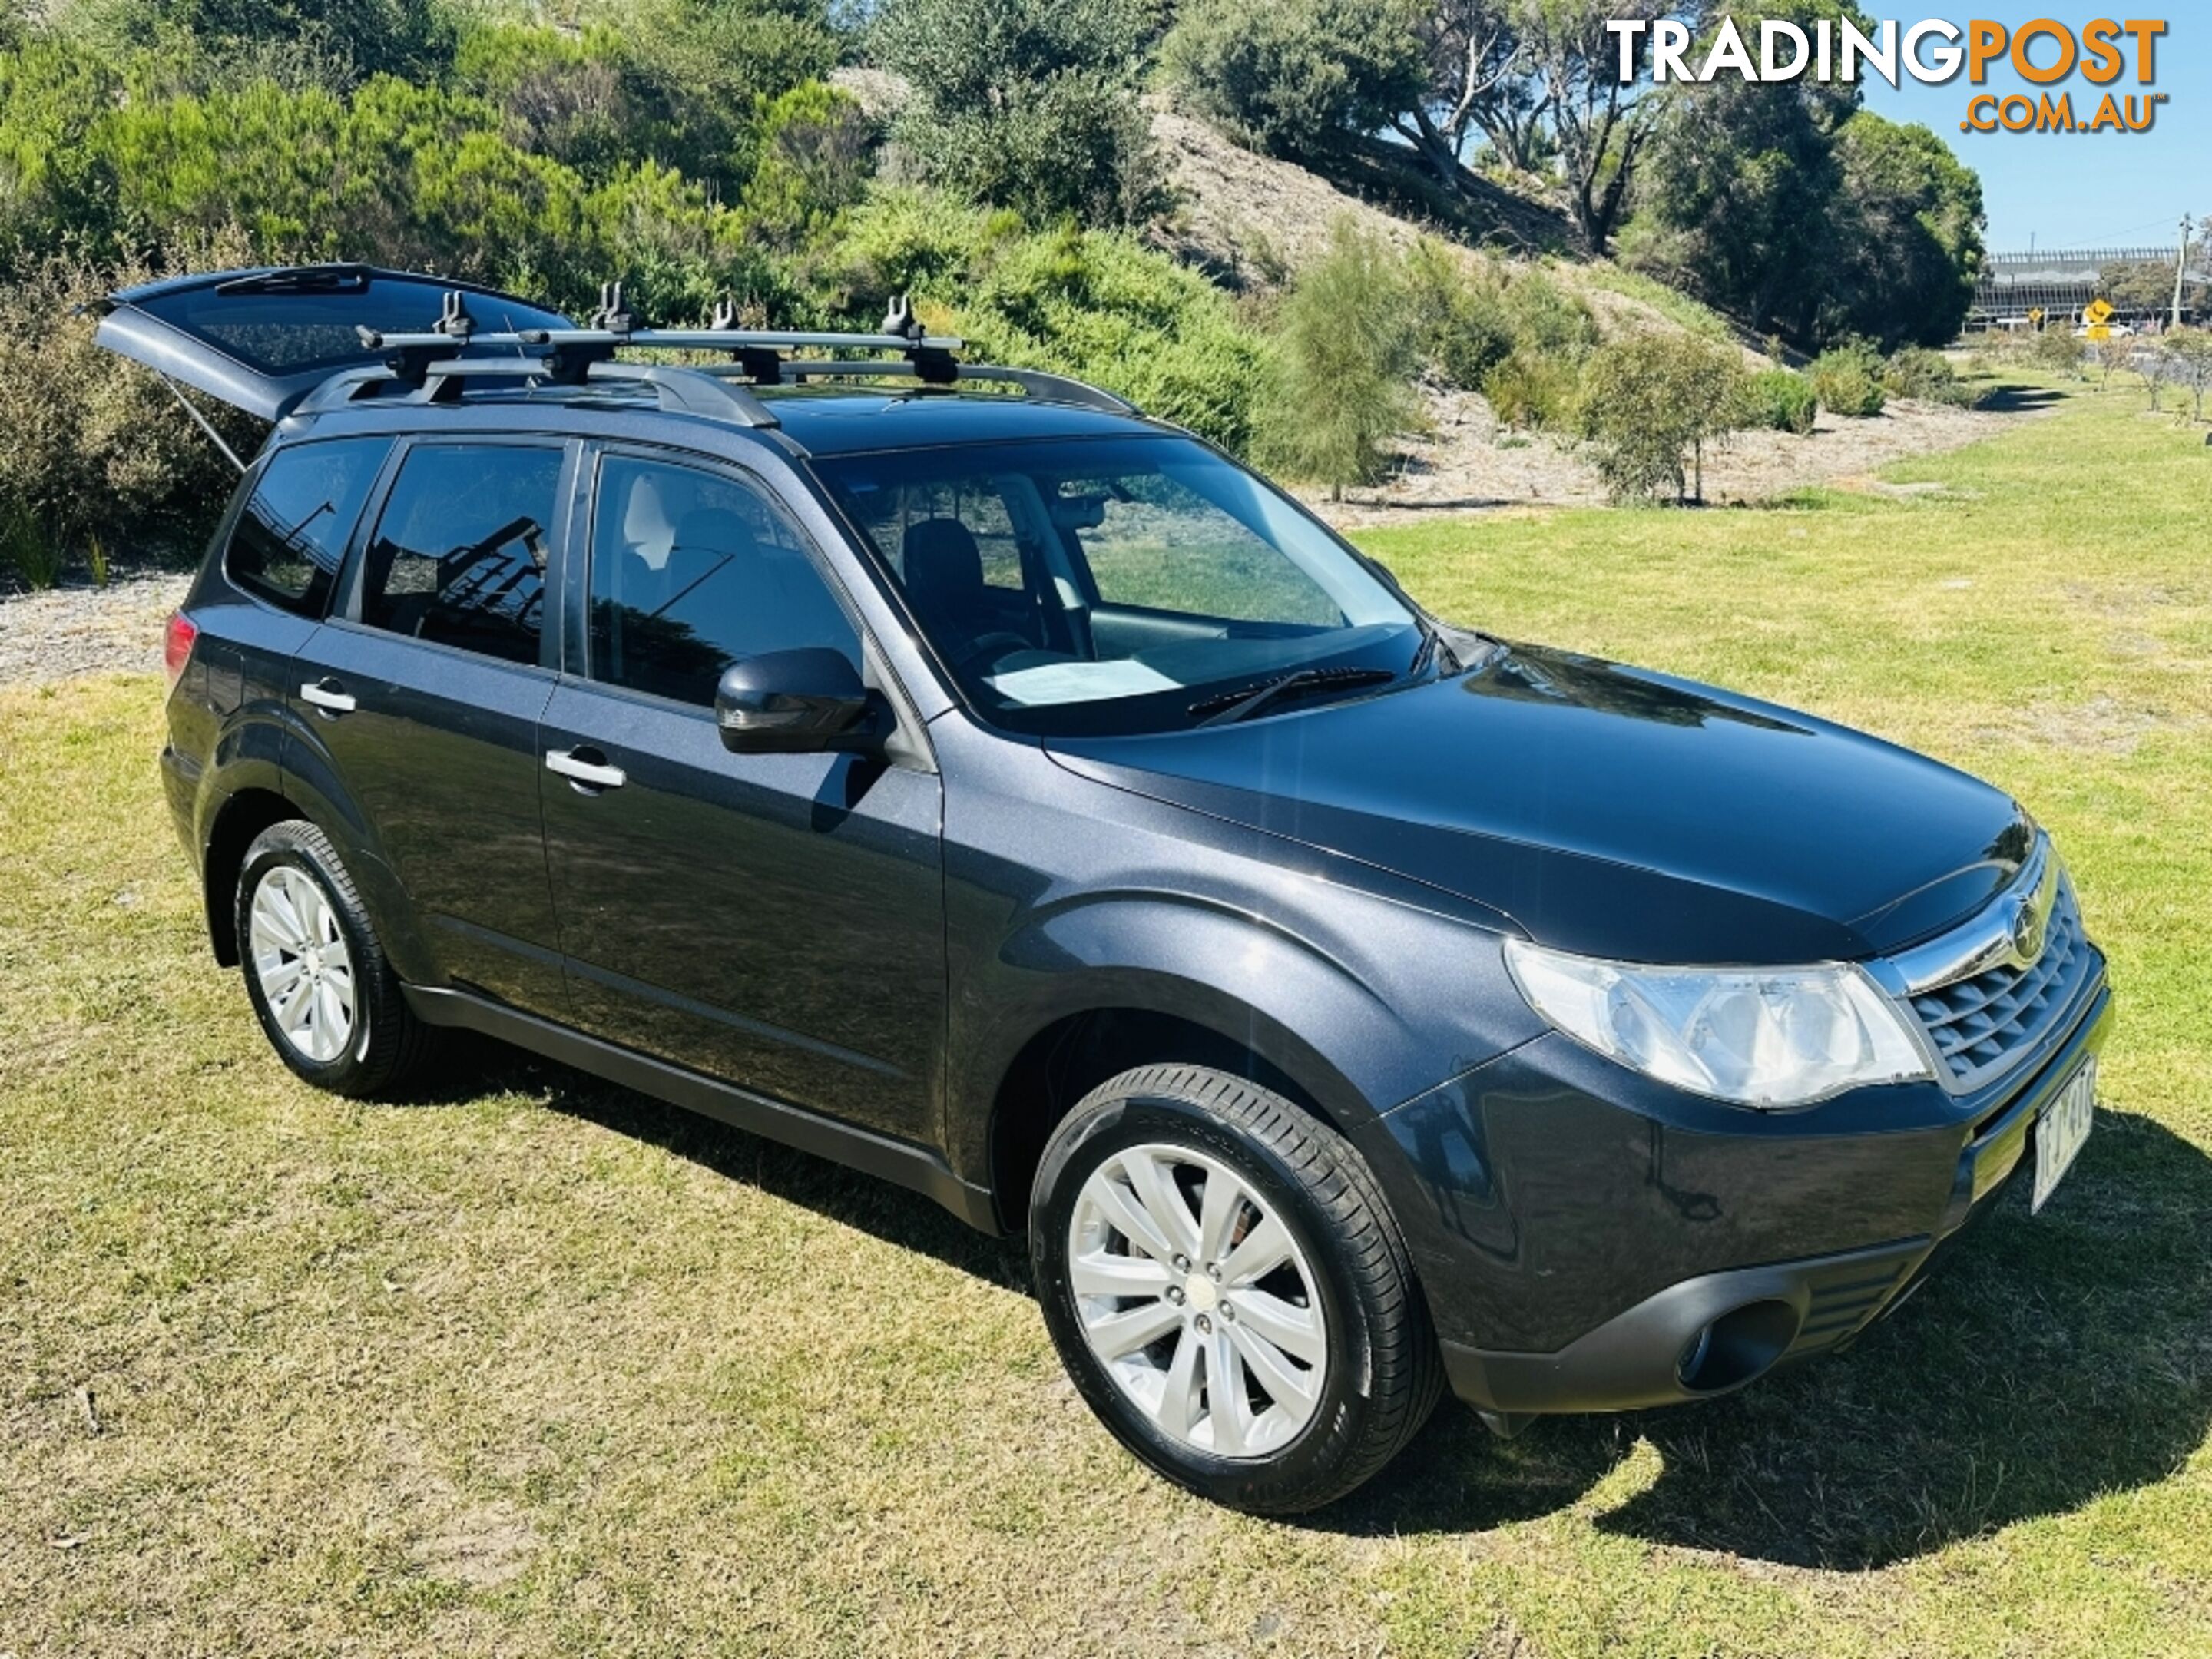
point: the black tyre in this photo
(1228, 1289)
(315, 971)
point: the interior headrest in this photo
(647, 524)
(942, 561)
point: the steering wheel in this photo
(991, 646)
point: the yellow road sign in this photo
(2036, 316)
(2100, 332)
(2100, 313)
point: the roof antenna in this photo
(611, 315)
(454, 320)
(900, 318)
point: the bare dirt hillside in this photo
(1252, 221)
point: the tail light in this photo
(177, 646)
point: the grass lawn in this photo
(535, 1366)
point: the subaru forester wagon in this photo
(947, 770)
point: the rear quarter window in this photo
(292, 536)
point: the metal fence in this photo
(2060, 282)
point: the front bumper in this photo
(1589, 1242)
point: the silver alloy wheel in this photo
(1197, 1301)
(301, 959)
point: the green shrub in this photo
(1548, 318)
(1101, 306)
(1028, 104)
(54, 93)
(564, 96)
(1782, 399)
(1534, 392)
(1848, 380)
(1919, 372)
(1094, 304)
(1295, 77)
(1651, 403)
(96, 445)
(1464, 326)
(698, 69)
(808, 160)
(1340, 386)
(357, 38)
(2056, 348)
(26, 549)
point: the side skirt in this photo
(898, 1161)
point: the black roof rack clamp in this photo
(933, 365)
(453, 320)
(900, 318)
(611, 315)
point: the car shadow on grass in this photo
(2054, 1360)
(476, 1067)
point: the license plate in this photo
(2060, 1132)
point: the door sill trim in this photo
(901, 1162)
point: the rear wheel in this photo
(327, 1000)
(1226, 1285)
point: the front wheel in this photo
(1228, 1289)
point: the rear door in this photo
(421, 696)
(262, 339)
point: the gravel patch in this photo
(1466, 463)
(67, 631)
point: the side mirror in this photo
(794, 703)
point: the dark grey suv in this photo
(947, 770)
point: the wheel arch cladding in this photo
(241, 817)
(1076, 1053)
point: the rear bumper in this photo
(1708, 1333)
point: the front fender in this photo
(1236, 973)
(1065, 895)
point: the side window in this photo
(691, 571)
(458, 557)
(292, 536)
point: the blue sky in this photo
(2070, 190)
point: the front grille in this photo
(1979, 1025)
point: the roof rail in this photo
(1035, 382)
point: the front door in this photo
(774, 920)
(425, 687)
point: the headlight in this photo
(1756, 1037)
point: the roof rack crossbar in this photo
(669, 339)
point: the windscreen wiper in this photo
(1229, 706)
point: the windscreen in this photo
(276, 326)
(1100, 587)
